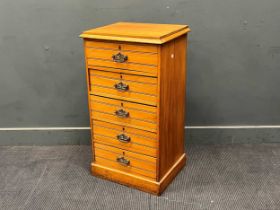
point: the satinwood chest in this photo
(136, 77)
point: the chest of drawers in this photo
(136, 77)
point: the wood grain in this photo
(140, 72)
(141, 141)
(139, 116)
(130, 130)
(111, 92)
(124, 77)
(129, 154)
(123, 46)
(155, 101)
(137, 32)
(139, 182)
(132, 57)
(139, 164)
(130, 66)
(125, 178)
(136, 111)
(136, 84)
(140, 89)
(172, 103)
(110, 154)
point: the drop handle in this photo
(123, 138)
(119, 58)
(121, 86)
(122, 113)
(121, 160)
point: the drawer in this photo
(142, 59)
(124, 160)
(124, 46)
(123, 113)
(149, 59)
(124, 86)
(126, 138)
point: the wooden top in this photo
(137, 32)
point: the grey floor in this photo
(222, 177)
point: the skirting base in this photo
(138, 182)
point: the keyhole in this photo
(123, 153)
(120, 47)
(121, 104)
(121, 76)
(123, 129)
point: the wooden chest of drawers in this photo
(136, 76)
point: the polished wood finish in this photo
(124, 46)
(137, 102)
(140, 116)
(137, 32)
(141, 165)
(141, 89)
(141, 183)
(172, 103)
(149, 59)
(142, 142)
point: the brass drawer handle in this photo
(123, 138)
(122, 113)
(119, 58)
(121, 86)
(121, 160)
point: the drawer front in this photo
(126, 138)
(148, 48)
(149, 59)
(123, 113)
(124, 86)
(138, 58)
(124, 160)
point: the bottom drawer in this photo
(124, 160)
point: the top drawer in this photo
(138, 58)
(148, 48)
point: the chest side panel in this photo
(172, 103)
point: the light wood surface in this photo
(137, 32)
(140, 72)
(126, 78)
(139, 182)
(149, 59)
(122, 46)
(137, 105)
(130, 66)
(139, 164)
(125, 178)
(141, 141)
(130, 130)
(110, 154)
(126, 96)
(172, 103)
(136, 118)
(136, 144)
(136, 111)
(140, 89)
